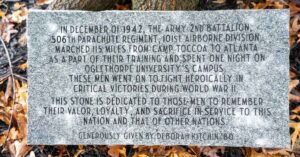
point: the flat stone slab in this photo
(208, 78)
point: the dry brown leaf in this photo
(117, 151)
(180, 152)
(292, 155)
(22, 121)
(158, 151)
(23, 39)
(78, 152)
(3, 137)
(173, 155)
(122, 7)
(208, 151)
(4, 117)
(6, 29)
(294, 9)
(293, 84)
(294, 98)
(2, 13)
(296, 25)
(32, 154)
(295, 134)
(278, 5)
(43, 2)
(296, 110)
(62, 150)
(176, 149)
(13, 134)
(23, 66)
(283, 152)
(261, 5)
(2, 99)
(21, 95)
(18, 5)
(294, 116)
(139, 155)
(212, 151)
(9, 90)
(196, 149)
(292, 40)
(19, 149)
(186, 154)
(18, 16)
(80, 147)
(18, 108)
(256, 154)
(292, 75)
(219, 1)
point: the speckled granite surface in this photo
(263, 34)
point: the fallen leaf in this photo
(78, 152)
(2, 13)
(219, 1)
(6, 30)
(19, 149)
(117, 151)
(122, 7)
(212, 151)
(296, 25)
(21, 96)
(9, 90)
(294, 9)
(186, 154)
(256, 154)
(139, 155)
(292, 75)
(293, 84)
(18, 16)
(4, 117)
(295, 134)
(22, 121)
(32, 154)
(282, 152)
(294, 116)
(13, 134)
(23, 66)
(294, 98)
(18, 5)
(261, 5)
(43, 2)
(23, 39)
(278, 5)
(3, 137)
(296, 110)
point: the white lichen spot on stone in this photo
(262, 141)
(52, 27)
(251, 20)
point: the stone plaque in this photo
(152, 78)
